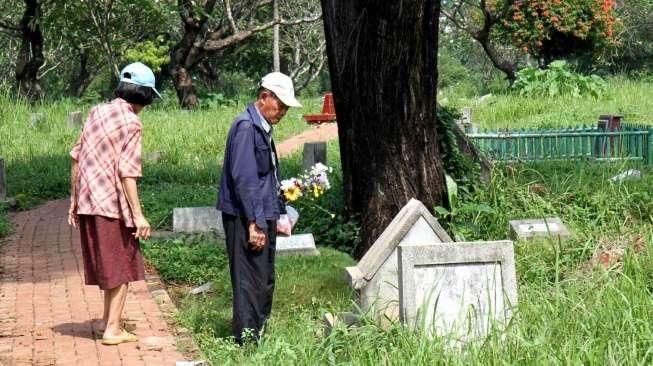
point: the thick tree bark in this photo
(383, 64)
(82, 77)
(30, 56)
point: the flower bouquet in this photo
(311, 185)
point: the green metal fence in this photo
(631, 142)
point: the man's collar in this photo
(264, 123)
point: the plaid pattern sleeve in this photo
(129, 165)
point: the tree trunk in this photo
(383, 63)
(80, 78)
(30, 56)
(505, 66)
(276, 59)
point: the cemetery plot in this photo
(375, 277)
(458, 290)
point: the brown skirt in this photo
(112, 255)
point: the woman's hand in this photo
(73, 219)
(142, 227)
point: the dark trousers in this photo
(252, 275)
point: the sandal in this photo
(125, 338)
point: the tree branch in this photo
(213, 44)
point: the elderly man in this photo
(250, 203)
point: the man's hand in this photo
(256, 237)
(142, 227)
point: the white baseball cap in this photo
(281, 85)
(139, 74)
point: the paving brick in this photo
(47, 307)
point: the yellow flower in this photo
(292, 194)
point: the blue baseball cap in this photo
(139, 74)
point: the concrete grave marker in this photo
(197, 219)
(75, 119)
(525, 229)
(314, 152)
(296, 244)
(36, 119)
(460, 290)
(375, 277)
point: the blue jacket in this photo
(248, 187)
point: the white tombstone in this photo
(375, 277)
(296, 244)
(457, 290)
(75, 119)
(525, 229)
(197, 219)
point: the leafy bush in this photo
(558, 80)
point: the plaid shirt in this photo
(108, 149)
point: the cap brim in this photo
(290, 101)
(157, 93)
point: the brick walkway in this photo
(324, 132)
(45, 308)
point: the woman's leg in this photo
(115, 299)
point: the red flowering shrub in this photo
(549, 29)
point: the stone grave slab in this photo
(459, 290)
(75, 119)
(375, 277)
(36, 119)
(314, 152)
(525, 229)
(197, 219)
(296, 244)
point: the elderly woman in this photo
(106, 162)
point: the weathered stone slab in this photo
(314, 152)
(197, 219)
(346, 319)
(75, 119)
(525, 229)
(296, 244)
(459, 290)
(375, 277)
(207, 287)
(36, 119)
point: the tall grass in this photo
(191, 145)
(630, 98)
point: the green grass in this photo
(630, 98)
(191, 145)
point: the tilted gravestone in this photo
(75, 119)
(375, 277)
(314, 152)
(457, 290)
(197, 219)
(525, 229)
(296, 244)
